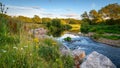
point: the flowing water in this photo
(88, 45)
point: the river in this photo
(88, 45)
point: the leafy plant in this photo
(67, 39)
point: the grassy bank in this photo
(34, 53)
(114, 29)
(19, 50)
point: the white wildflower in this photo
(21, 48)
(30, 54)
(13, 61)
(25, 46)
(15, 47)
(4, 51)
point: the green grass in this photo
(114, 29)
(33, 53)
(112, 37)
(22, 51)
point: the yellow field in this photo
(75, 27)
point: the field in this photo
(75, 27)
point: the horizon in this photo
(54, 8)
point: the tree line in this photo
(109, 14)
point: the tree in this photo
(85, 15)
(46, 20)
(84, 26)
(95, 16)
(111, 11)
(24, 19)
(36, 19)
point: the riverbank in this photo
(111, 42)
(114, 43)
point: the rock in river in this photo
(96, 60)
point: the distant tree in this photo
(24, 19)
(46, 20)
(37, 19)
(63, 21)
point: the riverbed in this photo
(88, 45)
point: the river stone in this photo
(96, 60)
(78, 56)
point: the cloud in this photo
(42, 12)
(25, 11)
(69, 15)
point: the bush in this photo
(49, 53)
(67, 39)
(96, 36)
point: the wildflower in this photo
(21, 48)
(30, 54)
(54, 43)
(36, 46)
(23, 64)
(36, 40)
(15, 47)
(25, 46)
(4, 51)
(13, 61)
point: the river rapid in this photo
(88, 45)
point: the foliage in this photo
(113, 37)
(111, 11)
(115, 29)
(69, 62)
(46, 20)
(56, 28)
(67, 39)
(36, 19)
(49, 53)
(96, 36)
(84, 26)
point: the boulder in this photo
(78, 56)
(96, 60)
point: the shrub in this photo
(96, 36)
(67, 39)
(48, 53)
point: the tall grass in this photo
(31, 52)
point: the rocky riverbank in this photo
(93, 60)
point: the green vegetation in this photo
(114, 29)
(56, 28)
(75, 27)
(84, 26)
(113, 37)
(67, 39)
(19, 50)
(102, 22)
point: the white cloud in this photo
(35, 10)
(25, 11)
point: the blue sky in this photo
(54, 8)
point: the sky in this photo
(54, 8)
